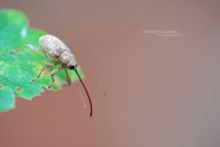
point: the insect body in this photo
(58, 51)
(62, 56)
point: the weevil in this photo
(62, 56)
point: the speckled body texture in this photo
(57, 50)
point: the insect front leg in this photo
(53, 72)
(68, 79)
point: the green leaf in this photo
(7, 100)
(15, 23)
(20, 64)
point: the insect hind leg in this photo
(34, 49)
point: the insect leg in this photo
(42, 70)
(29, 46)
(68, 79)
(50, 64)
(38, 76)
(32, 47)
(55, 71)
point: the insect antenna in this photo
(87, 93)
(82, 97)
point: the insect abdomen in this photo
(52, 45)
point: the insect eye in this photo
(72, 67)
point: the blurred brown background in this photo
(157, 60)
